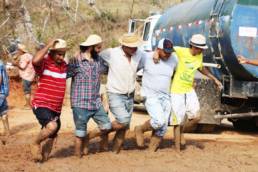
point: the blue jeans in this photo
(158, 108)
(82, 116)
(121, 106)
(3, 105)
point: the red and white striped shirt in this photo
(51, 87)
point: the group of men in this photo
(160, 92)
(167, 89)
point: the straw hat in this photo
(92, 40)
(22, 48)
(198, 41)
(60, 44)
(130, 40)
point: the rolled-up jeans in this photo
(158, 107)
(82, 116)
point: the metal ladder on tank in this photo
(214, 36)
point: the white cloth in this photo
(121, 74)
(184, 104)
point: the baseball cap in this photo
(166, 45)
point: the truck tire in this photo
(245, 125)
(201, 128)
(206, 128)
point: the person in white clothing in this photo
(123, 63)
(156, 92)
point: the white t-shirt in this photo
(122, 73)
(157, 77)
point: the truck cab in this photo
(145, 27)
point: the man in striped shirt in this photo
(49, 64)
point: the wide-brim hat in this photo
(59, 45)
(22, 48)
(92, 40)
(198, 41)
(130, 40)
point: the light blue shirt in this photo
(157, 77)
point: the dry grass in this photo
(110, 25)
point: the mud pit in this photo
(225, 150)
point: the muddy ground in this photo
(223, 150)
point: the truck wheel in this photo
(206, 128)
(201, 128)
(245, 125)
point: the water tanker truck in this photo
(231, 29)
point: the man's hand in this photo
(242, 59)
(207, 73)
(218, 84)
(156, 57)
(73, 61)
(14, 63)
(51, 43)
(39, 56)
(104, 99)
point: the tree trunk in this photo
(28, 25)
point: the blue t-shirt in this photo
(4, 87)
(157, 77)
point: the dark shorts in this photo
(45, 115)
(26, 86)
(3, 105)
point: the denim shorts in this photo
(159, 108)
(82, 116)
(121, 106)
(45, 115)
(26, 86)
(3, 105)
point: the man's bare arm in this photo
(37, 59)
(244, 60)
(207, 73)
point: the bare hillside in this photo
(33, 21)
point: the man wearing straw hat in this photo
(47, 103)
(184, 101)
(85, 70)
(26, 71)
(123, 63)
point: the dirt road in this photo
(225, 150)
